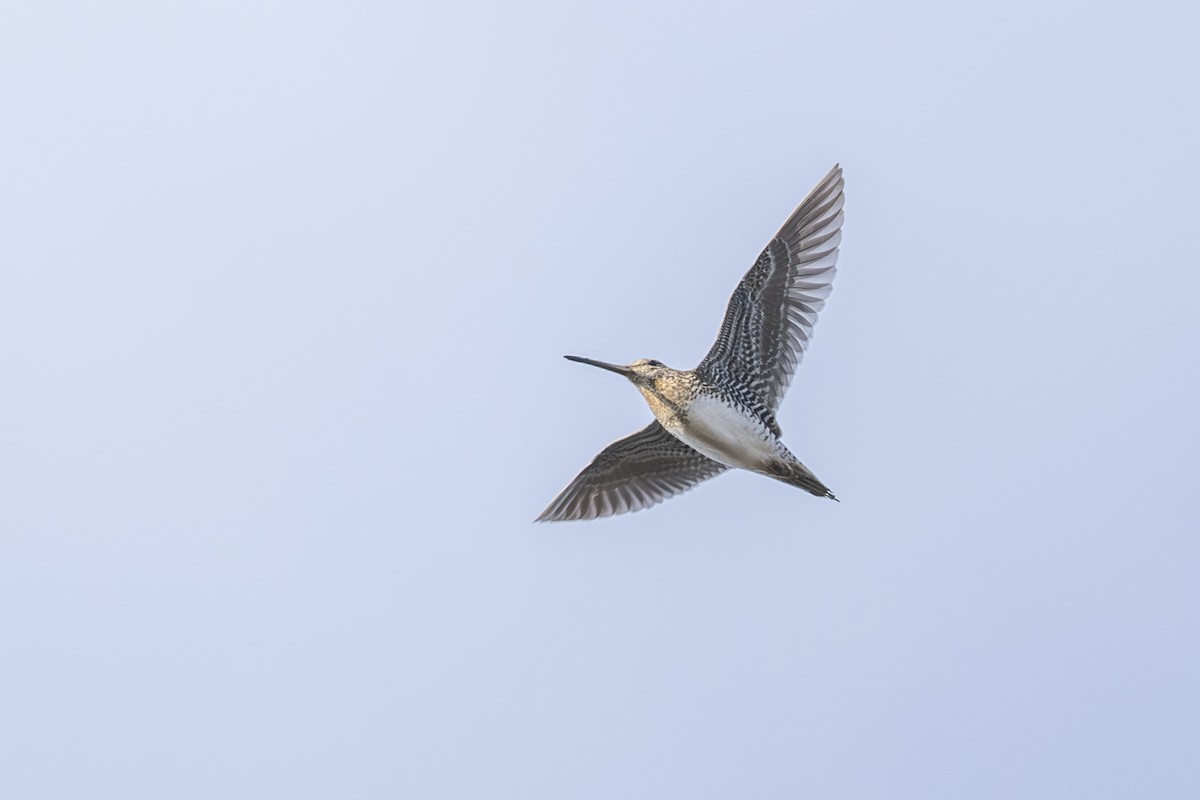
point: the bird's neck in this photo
(669, 396)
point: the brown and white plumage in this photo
(722, 414)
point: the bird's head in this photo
(642, 372)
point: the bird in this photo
(721, 415)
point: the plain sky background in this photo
(284, 291)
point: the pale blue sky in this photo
(284, 296)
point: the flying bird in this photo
(721, 414)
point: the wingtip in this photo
(552, 514)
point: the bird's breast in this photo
(726, 433)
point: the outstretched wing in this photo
(771, 315)
(630, 474)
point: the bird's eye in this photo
(654, 363)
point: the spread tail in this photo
(796, 474)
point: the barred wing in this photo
(771, 315)
(633, 473)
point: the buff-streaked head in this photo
(642, 372)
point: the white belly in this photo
(727, 435)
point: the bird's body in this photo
(721, 414)
(726, 432)
(709, 420)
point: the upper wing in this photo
(771, 315)
(630, 474)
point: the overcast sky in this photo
(284, 291)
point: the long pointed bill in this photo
(601, 364)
